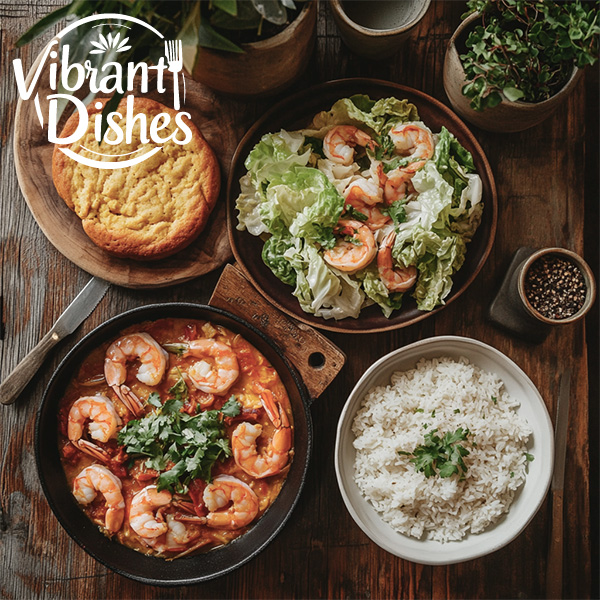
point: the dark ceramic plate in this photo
(123, 560)
(297, 112)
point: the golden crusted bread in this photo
(146, 211)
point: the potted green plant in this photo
(511, 63)
(241, 47)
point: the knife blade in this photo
(80, 309)
(71, 318)
(554, 566)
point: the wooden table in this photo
(547, 181)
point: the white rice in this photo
(444, 394)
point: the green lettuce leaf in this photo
(437, 254)
(360, 110)
(274, 155)
(273, 255)
(375, 289)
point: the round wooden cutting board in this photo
(62, 227)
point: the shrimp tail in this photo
(92, 450)
(129, 399)
(270, 406)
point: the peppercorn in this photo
(555, 287)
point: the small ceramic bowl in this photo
(583, 267)
(375, 29)
(528, 498)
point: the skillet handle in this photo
(316, 358)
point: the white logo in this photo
(111, 77)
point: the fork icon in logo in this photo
(174, 54)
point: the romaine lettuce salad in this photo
(363, 207)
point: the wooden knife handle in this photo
(14, 384)
(555, 555)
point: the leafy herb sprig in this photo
(526, 49)
(188, 444)
(443, 455)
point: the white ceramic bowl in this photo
(527, 500)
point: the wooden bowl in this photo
(297, 112)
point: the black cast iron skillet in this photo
(132, 564)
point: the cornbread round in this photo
(145, 211)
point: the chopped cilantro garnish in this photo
(443, 456)
(351, 213)
(183, 446)
(494, 400)
(456, 411)
(529, 457)
(352, 240)
(396, 212)
(384, 147)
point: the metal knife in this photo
(554, 566)
(67, 323)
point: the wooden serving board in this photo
(316, 358)
(62, 227)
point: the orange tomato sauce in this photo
(255, 374)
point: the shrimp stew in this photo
(176, 436)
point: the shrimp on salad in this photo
(355, 250)
(394, 278)
(340, 141)
(415, 142)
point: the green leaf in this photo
(247, 18)
(209, 38)
(513, 94)
(154, 399)
(441, 456)
(231, 408)
(272, 10)
(228, 6)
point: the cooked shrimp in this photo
(363, 191)
(414, 141)
(144, 513)
(94, 479)
(217, 371)
(375, 218)
(355, 253)
(340, 141)
(394, 278)
(397, 185)
(231, 503)
(153, 358)
(104, 422)
(178, 537)
(274, 456)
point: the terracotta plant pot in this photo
(266, 67)
(508, 116)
